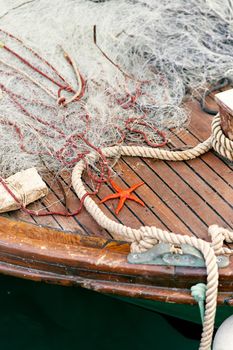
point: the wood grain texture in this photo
(43, 254)
(183, 197)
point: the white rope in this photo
(146, 237)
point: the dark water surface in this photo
(37, 316)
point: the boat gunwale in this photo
(44, 254)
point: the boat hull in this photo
(182, 311)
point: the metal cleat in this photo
(162, 254)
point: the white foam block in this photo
(225, 98)
(27, 186)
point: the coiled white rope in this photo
(146, 237)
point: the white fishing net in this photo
(161, 51)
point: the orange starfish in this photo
(123, 195)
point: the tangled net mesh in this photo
(66, 89)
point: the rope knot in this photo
(198, 292)
(218, 236)
(143, 240)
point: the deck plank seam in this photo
(126, 205)
(204, 180)
(72, 190)
(75, 217)
(138, 195)
(52, 216)
(62, 202)
(203, 160)
(226, 162)
(165, 203)
(209, 185)
(12, 216)
(181, 199)
(210, 206)
(106, 207)
(113, 213)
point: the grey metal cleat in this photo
(161, 254)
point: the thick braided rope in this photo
(218, 236)
(147, 237)
(157, 153)
(212, 275)
(221, 144)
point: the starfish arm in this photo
(115, 186)
(120, 204)
(134, 187)
(136, 199)
(111, 196)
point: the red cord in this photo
(157, 131)
(70, 147)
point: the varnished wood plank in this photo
(53, 251)
(55, 202)
(20, 215)
(174, 178)
(220, 210)
(84, 216)
(180, 296)
(155, 211)
(87, 265)
(193, 224)
(223, 188)
(182, 197)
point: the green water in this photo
(37, 316)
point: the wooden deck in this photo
(183, 197)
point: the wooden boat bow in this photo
(44, 254)
(183, 197)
